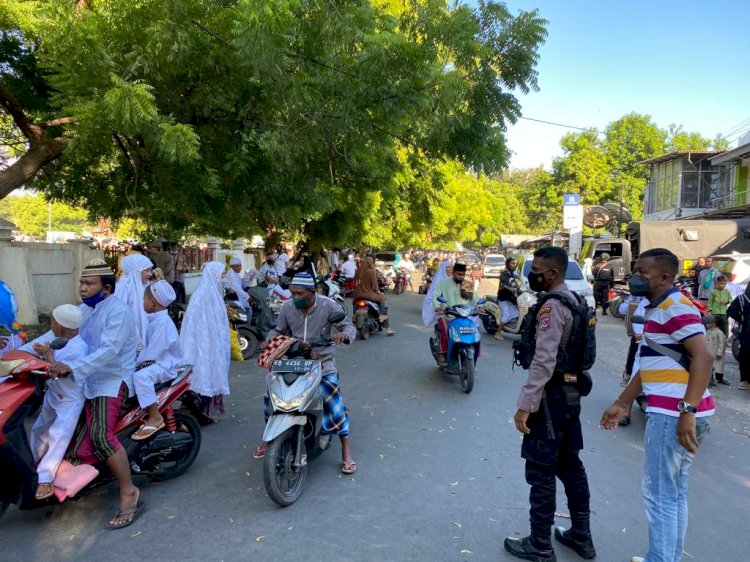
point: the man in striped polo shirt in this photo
(674, 370)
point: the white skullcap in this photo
(163, 293)
(68, 316)
(235, 261)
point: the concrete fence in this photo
(43, 276)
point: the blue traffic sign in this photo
(571, 199)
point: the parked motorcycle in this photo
(366, 318)
(424, 286)
(167, 454)
(346, 286)
(332, 290)
(463, 343)
(685, 285)
(294, 428)
(490, 312)
(247, 334)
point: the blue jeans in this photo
(665, 486)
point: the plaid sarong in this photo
(335, 418)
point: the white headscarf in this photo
(428, 310)
(204, 336)
(130, 289)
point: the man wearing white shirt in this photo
(281, 263)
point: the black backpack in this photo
(580, 352)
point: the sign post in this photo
(573, 222)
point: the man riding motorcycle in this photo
(451, 290)
(304, 318)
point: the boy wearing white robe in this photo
(63, 400)
(159, 359)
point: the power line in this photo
(563, 125)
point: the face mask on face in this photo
(93, 300)
(299, 303)
(639, 286)
(269, 261)
(458, 281)
(536, 282)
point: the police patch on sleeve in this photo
(544, 322)
(545, 310)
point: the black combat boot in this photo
(529, 548)
(578, 537)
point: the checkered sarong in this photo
(335, 419)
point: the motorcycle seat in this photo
(491, 298)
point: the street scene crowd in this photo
(123, 343)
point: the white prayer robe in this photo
(63, 402)
(109, 331)
(163, 347)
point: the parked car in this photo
(494, 265)
(736, 267)
(574, 278)
(470, 258)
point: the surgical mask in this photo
(93, 300)
(299, 303)
(269, 261)
(639, 285)
(536, 282)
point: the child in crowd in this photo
(506, 302)
(718, 342)
(63, 400)
(159, 359)
(718, 303)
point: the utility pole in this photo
(49, 216)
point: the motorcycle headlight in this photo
(242, 316)
(285, 405)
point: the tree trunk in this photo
(41, 152)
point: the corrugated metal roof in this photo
(679, 154)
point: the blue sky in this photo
(682, 62)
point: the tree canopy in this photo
(261, 115)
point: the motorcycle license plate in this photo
(293, 365)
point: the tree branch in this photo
(58, 122)
(14, 109)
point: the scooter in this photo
(167, 454)
(248, 335)
(491, 312)
(400, 282)
(463, 343)
(366, 318)
(616, 296)
(294, 430)
(332, 290)
(424, 286)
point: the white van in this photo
(494, 265)
(574, 278)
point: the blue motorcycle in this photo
(463, 343)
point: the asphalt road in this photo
(440, 476)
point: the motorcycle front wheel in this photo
(467, 373)
(284, 483)
(614, 308)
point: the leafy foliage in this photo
(31, 213)
(274, 115)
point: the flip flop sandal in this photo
(44, 491)
(349, 467)
(134, 511)
(260, 452)
(150, 429)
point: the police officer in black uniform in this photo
(548, 415)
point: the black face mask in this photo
(537, 282)
(458, 281)
(269, 262)
(639, 286)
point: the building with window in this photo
(734, 180)
(682, 184)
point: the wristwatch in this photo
(685, 408)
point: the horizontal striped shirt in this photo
(670, 321)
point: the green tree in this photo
(257, 115)
(32, 215)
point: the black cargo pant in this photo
(552, 452)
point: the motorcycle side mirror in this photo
(336, 317)
(481, 301)
(58, 343)
(442, 300)
(638, 319)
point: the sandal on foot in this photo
(44, 491)
(260, 452)
(133, 511)
(349, 467)
(390, 333)
(146, 431)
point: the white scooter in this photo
(294, 428)
(332, 290)
(491, 313)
